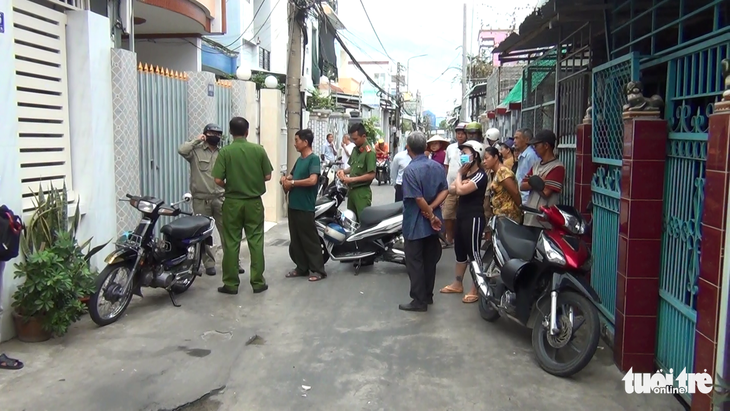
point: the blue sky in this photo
(411, 27)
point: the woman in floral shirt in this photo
(504, 191)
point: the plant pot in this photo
(30, 331)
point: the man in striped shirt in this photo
(552, 172)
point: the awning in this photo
(514, 96)
(477, 91)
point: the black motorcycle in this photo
(140, 260)
(382, 171)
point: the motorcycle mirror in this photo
(536, 183)
(589, 209)
(321, 157)
(187, 197)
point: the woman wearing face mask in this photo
(470, 186)
(503, 191)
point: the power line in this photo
(249, 25)
(374, 31)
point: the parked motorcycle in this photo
(378, 236)
(329, 171)
(539, 280)
(171, 262)
(382, 171)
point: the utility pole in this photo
(398, 106)
(293, 82)
(464, 73)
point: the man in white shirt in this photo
(526, 159)
(346, 149)
(397, 166)
(453, 154)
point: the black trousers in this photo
(304, 249)
(421, 259)
(398, 192)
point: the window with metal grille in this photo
(264, 59)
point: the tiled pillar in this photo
(244, 103)
(319, 124)
(714, 225)
(202, 107)
(91, 125)
(584, 167)
(272, 143)
(640, 232)
(125, 106)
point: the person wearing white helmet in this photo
(470, 185)
(493, 135)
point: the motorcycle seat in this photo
(186, 227)
(371, 216)
(518, 240)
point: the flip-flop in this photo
(7, 363)
(450, 290)
(470, 298)
(295, 273)
(317, 277)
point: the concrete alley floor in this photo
(344, 337)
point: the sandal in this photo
(451, 290)
(294, 273)
(317, 277)
(470, 298)
(7, 363)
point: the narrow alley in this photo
(337, 344)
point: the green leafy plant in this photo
(56, 269)
(372, 130)
(319, 102)
(260, 80)
(56, 278)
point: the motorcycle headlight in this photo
(573, 224)
(145, 206)
(552, 252)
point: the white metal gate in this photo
(42, 97)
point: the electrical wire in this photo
(249, 25)
(374, 31)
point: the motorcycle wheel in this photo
(486, 310)
(541, 336)
(109, 273)
(325, 254)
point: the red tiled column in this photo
(584, 168)
(713, 239)
(640, 232)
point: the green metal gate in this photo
(607, 144)
(694, 83)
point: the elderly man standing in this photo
(526, 159)
(424, 189)
(202, 153)
(397, 167)
(330, 153)
(346, 149)
(242, 168)
(360, 173)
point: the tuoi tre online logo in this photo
(658, 383)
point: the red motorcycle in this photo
(538, 278)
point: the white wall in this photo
(10, 187)
(173, 54)
(279, 43)
(90, 119)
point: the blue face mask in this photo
(465, 159)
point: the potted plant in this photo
(56, 271)
(318, 103)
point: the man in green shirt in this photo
(301, 184)
(361, 172)
(242, 168)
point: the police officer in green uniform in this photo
(201, 152)
(242, 168)
(361, 172)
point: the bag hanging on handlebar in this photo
(11, 227)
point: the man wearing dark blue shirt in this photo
(424, 189)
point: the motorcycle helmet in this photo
(493, 135)
(474, 131)
(212, 128)
(381, 141)
(335, 233)
(476, 147)
(460, 127)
